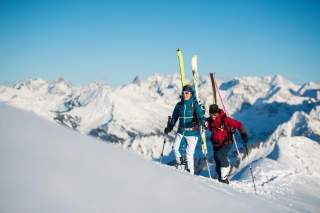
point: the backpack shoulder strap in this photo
(222, 123)
(194, 114)
(192, 108)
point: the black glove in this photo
(245, 138)
(168, 129)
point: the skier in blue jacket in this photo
(190, 116)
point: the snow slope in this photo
(291, 174)
(48, 168)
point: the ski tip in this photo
(194, 62)
(212, 75)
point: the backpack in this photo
(221, 134)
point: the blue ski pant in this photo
(221, 157)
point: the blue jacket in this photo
(190, 116)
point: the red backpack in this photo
(221, 134)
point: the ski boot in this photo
(181, 164)
(226, 181)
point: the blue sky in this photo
(113, 41)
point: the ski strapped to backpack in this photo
(181, 65)
(213, 83)
(195, 78)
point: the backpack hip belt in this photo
(194, 128)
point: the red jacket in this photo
(222, 128)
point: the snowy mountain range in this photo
(137, 112)
(274, 110)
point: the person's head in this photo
(187, 92)
(214, 111)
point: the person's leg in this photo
(222, 158)
(176, 146)
(217, 161)
(191, 146)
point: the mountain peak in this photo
(60, 86)
(31, 84)
(278, 79)
(60, 79)
(136, 80)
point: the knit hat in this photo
(214, 109)
(187, 88)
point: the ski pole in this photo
(254, 185)
(207, 162)
(205, 149)
(164, 143)
(236, 145)
(164, 140)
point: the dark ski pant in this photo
(221, 157)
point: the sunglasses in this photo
(186, 93)
(214, 114)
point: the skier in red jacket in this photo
(223, 128)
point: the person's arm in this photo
(239, 126)
(174, 118)
(175, 114)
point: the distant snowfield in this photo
(48, 168)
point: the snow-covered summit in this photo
(255, 90)
(60, 87)
(300, 124)
(311, 90)
(33, 84)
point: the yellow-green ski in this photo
(181, 65)
(196, 81)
